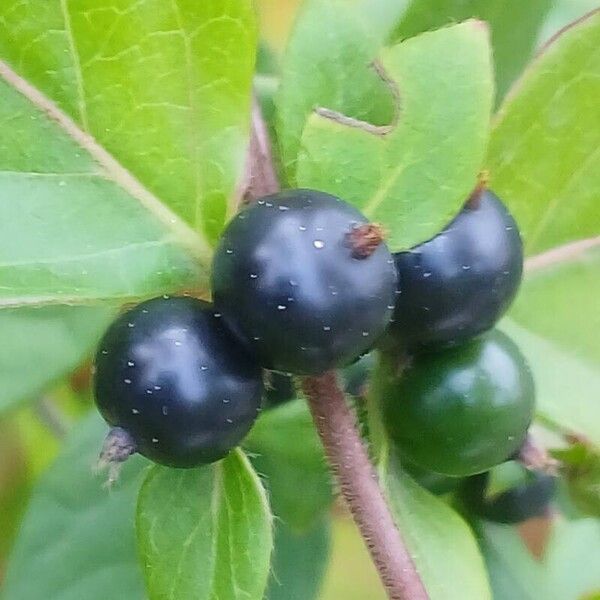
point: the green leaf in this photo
(560, 302)
(414, 177)
(514, 573)
(580, 464)
(543, 157)
(299, 561)
(40, 344)
(163, 86)
(334, 72)
(514, 26)
(78, 537)
(286, 450)
(567, 388)
(571, 560)
(441, 543)
(206, 532)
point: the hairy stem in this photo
(336, 425)
(352, 468)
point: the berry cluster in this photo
(302, 283)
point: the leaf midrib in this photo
(190, 239)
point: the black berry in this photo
(302, 278)
(458, 284)
(528, 499)
(170, 374)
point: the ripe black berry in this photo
(461, 411)
(301, 277)
(170, 374)
(528, 499)
(458, 284)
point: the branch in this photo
(358, 481)
(337, 427)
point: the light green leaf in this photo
(441, 543)
(327, 63)
(566, 387)
(414, 177)
(71, 230)
(163, 86)
(571, 560)
(285, 450)
(205, 533)
(299, 561)
(78, 537)
(514, 573)
(40, 344)
(514, 26)
(559, 301)
(544, 157)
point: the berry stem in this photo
(358, 482)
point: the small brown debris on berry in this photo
(365, 239)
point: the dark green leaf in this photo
(414, 177)
(543, 157)
(441, 543)
(205, 533)
(286, 450)
(299, 561)
(77, 540)
(327, 64)
(514, 26)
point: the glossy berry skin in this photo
(169, 372)
(458, 284)
(462, 411)
(525, 501)
(286, 281)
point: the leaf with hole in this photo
(514, 26)
(334, 72)
(414, 176)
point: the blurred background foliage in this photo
(30, 437)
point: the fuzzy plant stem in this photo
(356, 476)
(335, 421)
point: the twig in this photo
(51, 416)
(535, 458)
(337, 427)
(358, 482)
(261, 177)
